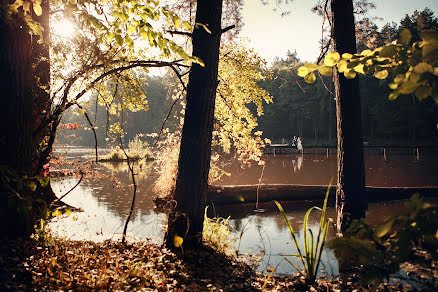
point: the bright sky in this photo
(272, 35)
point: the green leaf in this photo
(325, 70)
(381, 74)
(310, 77)
(303, 71)
(405, 36)
(332, 59)
(37, 9)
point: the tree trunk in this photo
(186, 220)
(41, 87)
(15, 118)
(351, 202)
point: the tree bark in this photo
(351, 202)
(15, 117)
(186, 220)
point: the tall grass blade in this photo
(292, 233)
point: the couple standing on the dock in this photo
(297, 142)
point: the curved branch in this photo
(92, 127)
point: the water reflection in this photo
(267, 235)
(106, 203)
(105, 206)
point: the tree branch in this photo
(92, 127)
(186, 33)
(224, 30)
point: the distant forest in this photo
(299, 109)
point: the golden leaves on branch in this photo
(412, 67)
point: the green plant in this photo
(217, 234)
(406, 238)
(311, 256)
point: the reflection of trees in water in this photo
(116, 194)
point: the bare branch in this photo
(172, 32)
(63, 196)
(92, 127)
(165, 120)
(224, 30)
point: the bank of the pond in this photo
(77, 265)
(235, 194)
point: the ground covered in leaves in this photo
(77, 265)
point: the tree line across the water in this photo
(298, 108)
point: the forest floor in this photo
(77, 265)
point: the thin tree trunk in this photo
(351, 202)
(186, 220)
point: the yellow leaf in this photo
(366, 53)
(393, 85)
(32, 185)
(131, 29)
(359, 69)
(381, 74)
(311, 66)
(350, 74)
(37, 8)
(325, 70)
(302, 71)
(332, 59)
(399, 78)
(347, 56)
(310, 78)
(342, 66)
(393, 95)
(405, 36)
(56, 213)
(423, 67)
(177, 241)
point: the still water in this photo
(105, 200)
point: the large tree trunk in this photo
(351, 202)
(186, 220)
(15, 118)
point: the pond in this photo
(106, 202)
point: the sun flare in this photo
(63, 28)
